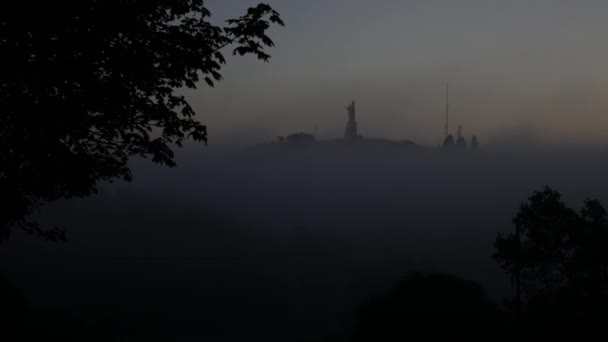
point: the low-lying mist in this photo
(295, 236)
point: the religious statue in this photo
(351, 127)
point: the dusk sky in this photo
(534, 70)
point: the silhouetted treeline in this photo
(558, 261)
(261, 288)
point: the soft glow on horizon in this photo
(514, 67)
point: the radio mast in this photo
(447, 108)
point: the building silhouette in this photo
(461, 143)
(448, 142)
(474, 143)
(301, 139)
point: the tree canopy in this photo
(557, 256)
(86, 85)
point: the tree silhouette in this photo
(86, 85)
(558, 260)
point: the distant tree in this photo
(88, 84)
(558, 257)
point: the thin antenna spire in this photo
(447, 108)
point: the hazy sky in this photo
(530, 69)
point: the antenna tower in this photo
(447, 108)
